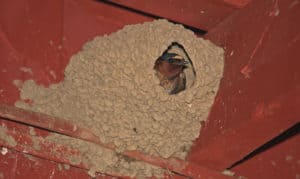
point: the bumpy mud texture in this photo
(110, 87)
(104, 160)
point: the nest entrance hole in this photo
(175, 69)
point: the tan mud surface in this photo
(110, 87)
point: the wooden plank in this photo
(14, 164)
(267, 121)
(25, 144)
(201, 14)
(68, 128)
(280, 161)
(40, 37)
(259, 93)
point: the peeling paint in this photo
(66, 166)
(52, 73)
(4, 151)
(294, 3)
(246, 70)
(31, 131)
(7, 138)
(228, 173)
(26, 70)
(259, 43)
(52, 173)
(30, 157)
(60, 168)
(288, 158)
(275, 10)
(273, 163)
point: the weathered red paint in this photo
(43, 35)
(46, 158)
(18, 165)
(281, 161)
(259, 92)
(258, 95)
(238, 3)
(267, 121)
(67, 128)
(201, 14)
(48, 123)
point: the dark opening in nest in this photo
(175, 69)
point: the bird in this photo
(170, 71)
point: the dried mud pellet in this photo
(110, 86)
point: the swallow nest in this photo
(110, 87)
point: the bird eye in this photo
(178, 76)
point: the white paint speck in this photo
(276, 13)
(293, 4)
(51, 42)
(288, 158)
(18, 83)
(26, 70)
(59, 47)
(4, 151)
(74, 128)
(273, 163)
(52, 73)
(228, 173)
(52, 173)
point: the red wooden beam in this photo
(43, 35)
(280, 161)
(70, 129)
(27, 145)
(267, 121)
(43, 156)
(18, 165)
(259, 94)
(201, 14)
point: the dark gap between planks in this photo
(197, 31)
(35, 126)
(287, 134)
